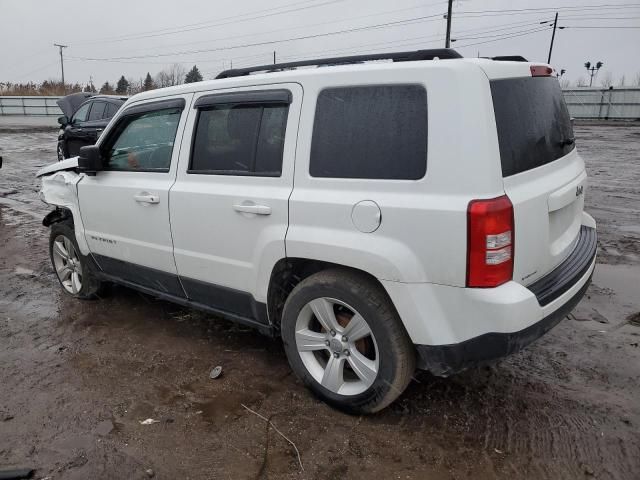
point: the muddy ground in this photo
(76, 378)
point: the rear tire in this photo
(73, 270)
(345, 341)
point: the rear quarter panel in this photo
(422, 236)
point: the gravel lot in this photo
(76, 378)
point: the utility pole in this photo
(274, 57)
(64, 88)
(553, 36)
(447, 42)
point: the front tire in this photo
(73, 270)
(345, 341)
(60, 151)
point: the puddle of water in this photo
(24, 271)
(624, 280)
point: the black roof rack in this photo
(509, 58)
(416, 55)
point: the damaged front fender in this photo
(60, 190)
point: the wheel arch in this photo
(290, 271)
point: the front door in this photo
(125, 207)
(229, 205)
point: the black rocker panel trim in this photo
(145, 276)
(232, 304)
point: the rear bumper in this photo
(455, 328)
(444, 360)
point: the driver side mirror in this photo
(90, 160)
(63, 121)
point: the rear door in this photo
(543, 174)
(95, 123)
(229, 205)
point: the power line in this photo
(212, 23)
(398, 42)
(270, 42)
(571, 7)
(497, 13)
(359, 17)
(503, 38)
(605, 26)
(498, 35)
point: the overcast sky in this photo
(107, 39)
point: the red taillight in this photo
(541, 71)
(490, 242)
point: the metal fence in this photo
(616, 103)
(621, 103)
(29, 106)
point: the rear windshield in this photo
(534, 127)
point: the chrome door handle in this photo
(251, 208)
(146, 198)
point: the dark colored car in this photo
(85, 116)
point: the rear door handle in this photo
(252, 208)
(146, 198)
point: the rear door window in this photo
(239, 139)
(110, 111)
(534, 127)
(97, 111)
(370, 132)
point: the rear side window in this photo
(370, 132)
(237, 139)
(534, 127)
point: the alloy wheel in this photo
(337, 346)
(67, 264)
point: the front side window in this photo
(370, 132)
(237, 139)
(143, 142)
(81, 114)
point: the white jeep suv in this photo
(378, 216)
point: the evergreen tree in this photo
(194, 75)
(148, 83)
(122, 86)
(106, 89)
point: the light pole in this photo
(593, 70)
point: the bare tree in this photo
(581, 82)
(636, 80)
(172, 75)
(162, 79)
(622, 82)
(607, 80)
(565, 83)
